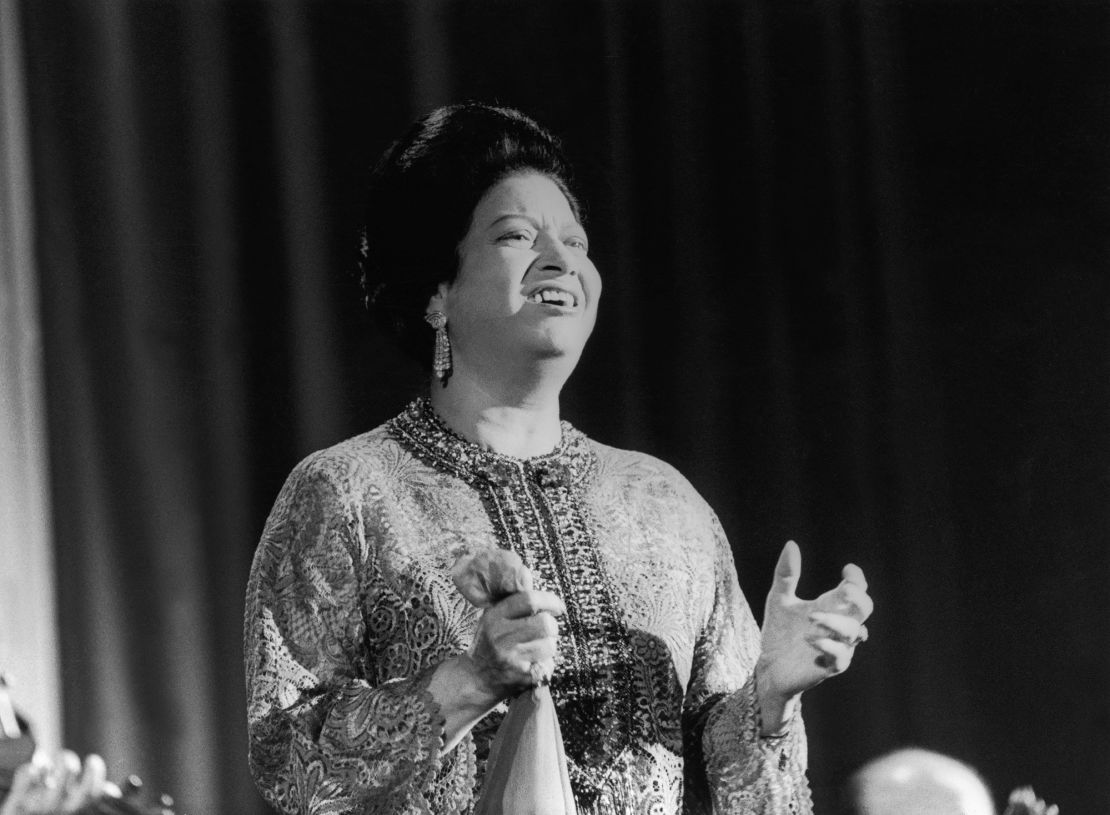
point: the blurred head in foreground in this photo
(917, 782)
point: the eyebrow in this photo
(506, 216)
(525, 216)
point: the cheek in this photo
(593, 283)
(476, 301)
(490, 276)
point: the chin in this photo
(553, 353)
(560, 347)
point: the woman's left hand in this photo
(806, 641)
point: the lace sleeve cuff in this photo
(397, 717)
(748, 773)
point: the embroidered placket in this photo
(537, 509)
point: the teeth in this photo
(554, 296)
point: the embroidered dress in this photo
(350, 608)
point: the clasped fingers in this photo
(517, 640)
(528, 604)
(508, 633)
(521, 643)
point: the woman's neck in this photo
(517, 422)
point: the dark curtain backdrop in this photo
(855, 259)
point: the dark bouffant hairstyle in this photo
(421, 197)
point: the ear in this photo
(438, 301)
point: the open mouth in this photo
(554, 297)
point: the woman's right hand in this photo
(516, 641)
(514, 644)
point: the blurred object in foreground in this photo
(1023, 801)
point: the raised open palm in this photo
(807, 641)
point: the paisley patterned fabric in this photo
(350, 608)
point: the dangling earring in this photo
(441, 360)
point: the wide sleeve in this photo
(323, 739)
(730, 768)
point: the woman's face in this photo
(526, 288)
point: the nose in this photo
(556, 256)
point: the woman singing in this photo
(374, 686)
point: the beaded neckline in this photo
(570, 462)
